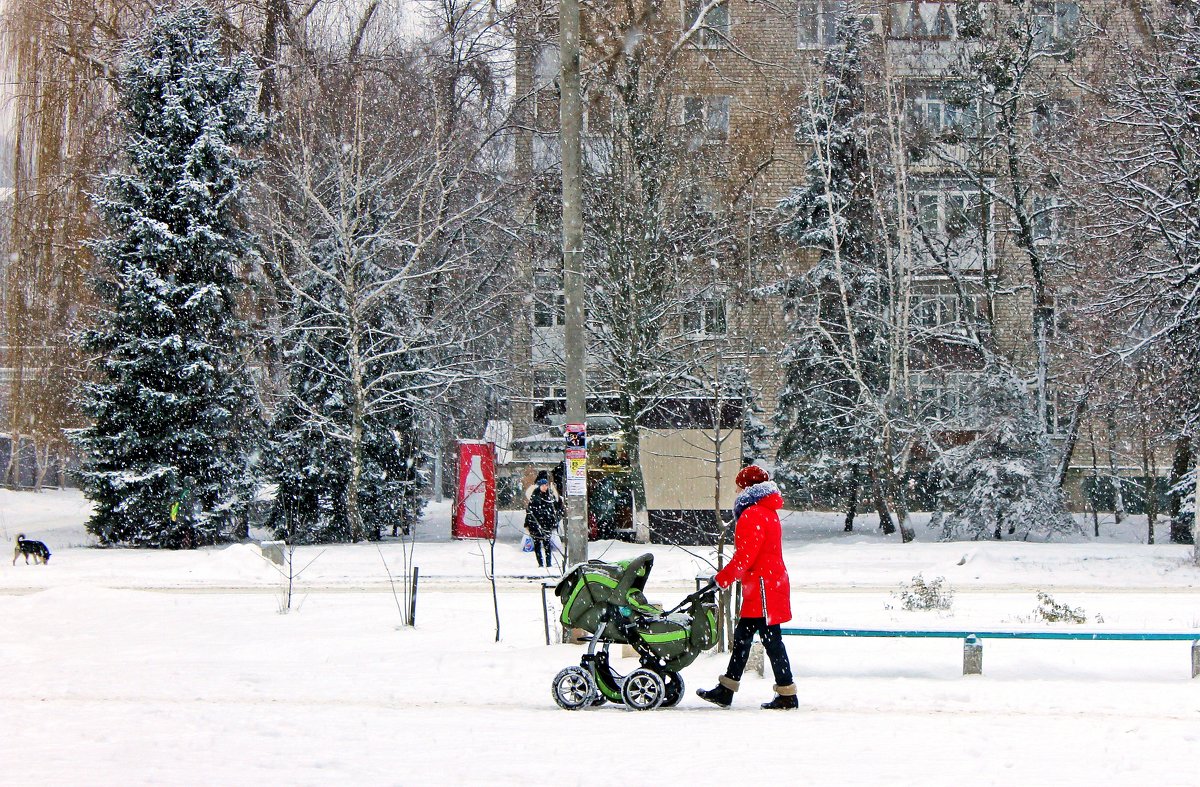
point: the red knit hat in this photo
(751, 475)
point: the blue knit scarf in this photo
(751, 495)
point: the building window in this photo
(707, 118)
(1060, 313)
(714, 31)
(942, 311)
(951, 226)
(703, 199)
(549, 397)
(544, 390)
(1059, 407)
(950, 215)
(545, 66)
(544, 88)
(909, 20)
(1048, 220)
(549, 301)
(945, 399)
(1051, 117)
(706, 316)
(817, 21)
(1055, 23)
(547, 152)
(941, 109)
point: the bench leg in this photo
(973, 656)
(1196, 658)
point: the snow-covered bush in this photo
(1051, 611)
(922, 595)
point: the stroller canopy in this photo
(591, 589)
(587, 589)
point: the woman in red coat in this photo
(757, 563)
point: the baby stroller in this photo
(607, 600)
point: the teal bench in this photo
(973, 645)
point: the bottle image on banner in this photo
(474, 493)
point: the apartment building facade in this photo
(740, 73)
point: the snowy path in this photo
(152, 668)
(221, 743)
(127, 687)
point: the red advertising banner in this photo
(475, 503)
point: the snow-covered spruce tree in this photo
(173, 408)
(1003, 482)
(832, 422)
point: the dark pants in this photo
(542, 544)
(772, 640)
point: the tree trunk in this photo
(353, 513)
(1095, 482)
(12, 472)
(357, 415)
(1114, 476)
(851, 502)
(1181, 531)
(41, 458)
(637, 481)
(894, 488)
(881, 508)
(1148, 485)
(1071, 438)
(724, 613)
(1041, 332)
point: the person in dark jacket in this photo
(757, 563)
(541, 519)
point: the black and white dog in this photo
(26, 547)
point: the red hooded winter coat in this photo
(757, 563)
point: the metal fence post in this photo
(412, 602)
(546, 611)
(1196, 658)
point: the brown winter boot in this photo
(722, 695)
(785, 699)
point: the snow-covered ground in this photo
(139, 667)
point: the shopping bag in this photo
(556, 545)
(526, 543)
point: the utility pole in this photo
(570, 122)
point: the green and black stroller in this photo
(607, 600)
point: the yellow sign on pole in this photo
(576, 452)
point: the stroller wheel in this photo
(674, 683)
(573, 688)
(643, 689)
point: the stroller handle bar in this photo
(711, 587)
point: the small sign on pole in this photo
(576, 475)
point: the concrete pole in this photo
(570, 123)
(972, 656)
